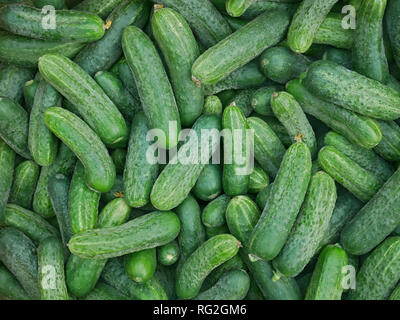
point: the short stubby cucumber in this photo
(258, 180)
(168, 254)
(209, 184)
(141, 265)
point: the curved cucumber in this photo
(140, 266)
(168, 254)
(7, 159)
(258, 180)
(209, 184)
(389, 147)
(10, 289)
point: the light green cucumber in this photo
(168, 254)
(141, 265)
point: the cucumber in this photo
(258, 180)
(214, 231)
(393, 28)
(76, 134)
(126, 76)
(10, 289)
(310, 226)
(212, 105)
(277, 127)
(146, 232)
(7, 160)
(41, 142)
(268, 149)
(358, 129)
(12, 81)
(281, 65)
(168, 254)
(177, 179)
(395, 294)
(262, 197)
(100, 7)
(180, 50)
(375, 221)
(290, 114)
(71, 25)
(262, 6)
(154, 88)
(119, 157)
(241, 99)
(139, 174)
(14, 126)
(102, 54)
(29, 93)
(83, 203)
(261, 100)
(389, 147)
(86, 96)
(209, 184)
(51, 270)
(283, 205)
(351, 90)
(240, 48)
(340, 56)
(326, 280)
(103, 292)
(369, 56)
(18, 254)
(57, 4)
(141, 265)
(306, 21)
(233, 285)
(379, 273)
(213, 214)
(206, 258)
(360, 182)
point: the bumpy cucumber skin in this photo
(103, 292)
(393, 28)
(326, 281)
(42, 143)
(139, 174)
(306, 21)
(359, 129)
(213, 214)
(240, 48)
(389, 147)
(284, 202)
(207, 257)
(51, 270)
(379, 273)
(18, 254)
(140, 266)
(375, 221)
(334, 83)
(290, 114)
(10, 289)
(168, 254)
(258, 180)
(261, 100)
(71, 25)
(14, 126)
(180, 50)
(83, 203)
(86, 95)
(100, 7)
(7, 159)
(83, 141)
(310, 227)
(360, 182)
(29, 93)
(154, 88)
(209, 184)
(369, 56)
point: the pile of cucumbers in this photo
(311, 212)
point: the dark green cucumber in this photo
(180, 50)
(290, 114)
(240, 48)
(10, 289)
(261, 100)
(70, 25)
(83, 203)
(141, 265)
(103, 292)
(41, 141)
(100, 7)
(14, 126)
(86, 96)
(281, 65)
(284, 202)
(154, 88)
(168, 254)
(139, 174)
(360, 182)
(119, 156)
(351, 90)
(369, 56)
(12, 81)
(51, 270)
(360, 130)
(177, 179)
(83, 141)
(393, 28)
(258, 180)
(29, 93)
(375, 221)
(213, 214)
(212, 105)
(209, 184)
(206, 258)
(310, 226)
(340, 56)
(326, 281)
(379, 273)
(57, 4)
(7, 159)
(236, 8)
(18, 254)
(389, 147)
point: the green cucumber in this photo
(360, 182)
(12, 81)
(154, 88)
(119, 157)
(326, 280)
(100, 7)
(395, 294)
(57, 4)
(51, 270)
(10, 289)
(180, 50)
(393, 28)
(290, 114)
(213, 214)
(25, 179)
(126, 76)
(358, 129)
(241, 99)
(103, 292)
(261, 100)
(389, 147)
(262, 197)
(83, 203)
(212, 105)
(209, 184)
(236, 8)
(340, 56)
(306, 21)
(379, 273)
(351, 90)
(206, 258)
(214, 231)
(284, 202)
(76, 134)
(240, 48)
(139, 174)
(70, 25)
(262, 6)
(310, 226)
(7, 159)
(29, 93)
(258, 180)
(168, 254)
(141, 265)
(277, 127)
